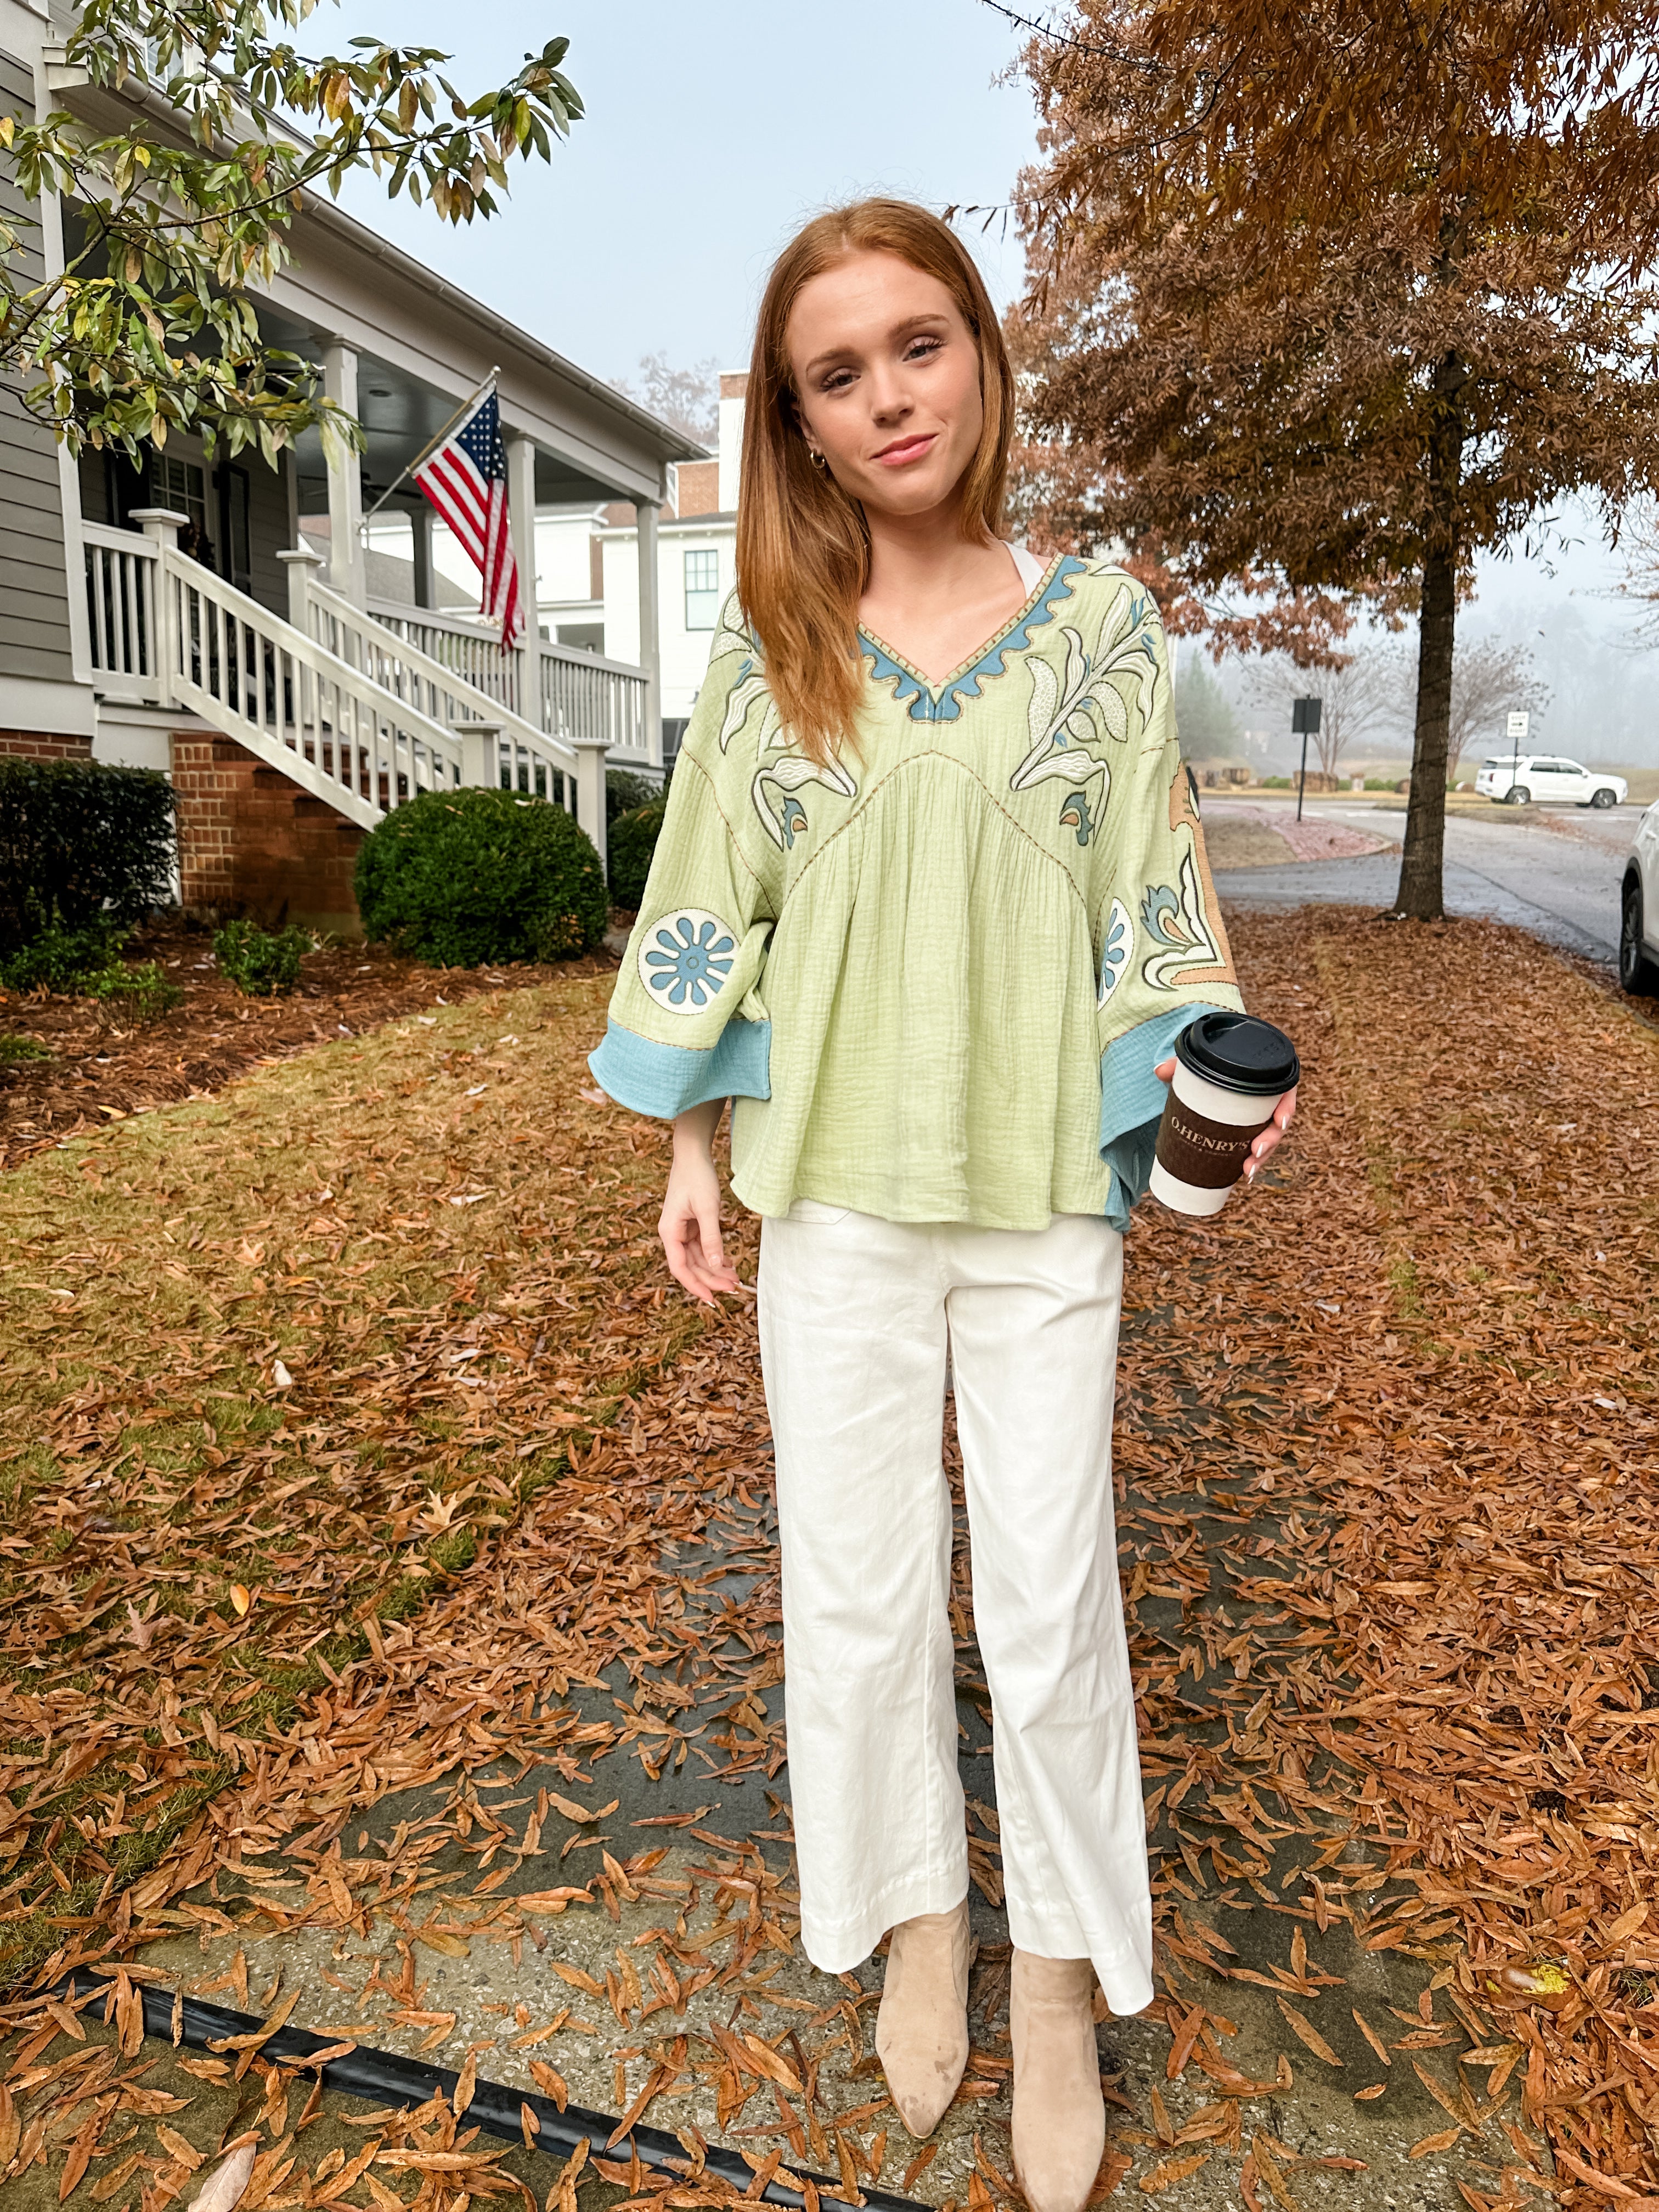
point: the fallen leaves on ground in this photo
(1387, 1551)
(192, 1545)
(86, 1064)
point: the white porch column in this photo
(426, 583)
(521, 524)
(348, 569)
(521, 518)
(650, 627)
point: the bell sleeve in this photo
(1162, 955)
(687, 1022)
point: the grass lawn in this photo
(275, 1362)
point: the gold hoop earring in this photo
(817, 460)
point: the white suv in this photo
(1638, 910)
(1537, 776)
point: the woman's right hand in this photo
(689, 1226)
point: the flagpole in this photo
(431, 445)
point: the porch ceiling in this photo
(401, 414)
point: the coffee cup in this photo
(1231, 1071)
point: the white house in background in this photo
(590, 568)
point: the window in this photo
(702, 590)
(181, 485)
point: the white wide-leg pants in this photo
(857, 1317)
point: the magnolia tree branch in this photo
(150, 323)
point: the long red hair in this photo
(803, 551)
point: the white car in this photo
(1519, 780)
(1638, 912)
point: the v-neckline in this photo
(936, 689)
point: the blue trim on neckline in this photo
(663, 1080)
(945, 705)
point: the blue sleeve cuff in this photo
(665, 1079)
(1132, 1103)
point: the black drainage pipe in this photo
(381, 2077)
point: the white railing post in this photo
(303, 565)
(590, 790)
(481, 753)
(161, 526)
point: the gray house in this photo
(177, 616)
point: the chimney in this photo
(734, 385)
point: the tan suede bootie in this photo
(921, 2030)
(1060, 2115)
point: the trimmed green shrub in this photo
(79, 842)
(260, 962)
(62, 960)
(624, 790)
(17, 1051)
(632, 840)
(141, 992)
(459, 877)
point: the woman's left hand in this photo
(1283, 1114)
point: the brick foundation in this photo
(43, 745)
(253, 841)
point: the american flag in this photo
(465, 479)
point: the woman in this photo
(929, 905)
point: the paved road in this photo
(1557, 874)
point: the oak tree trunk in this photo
(1420, 894)
(1421, 897)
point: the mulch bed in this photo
(1412, 1379)
(101, 1066)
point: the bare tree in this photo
(1363, 691)
(687, 398)
(1489, 679)
(1639, 537)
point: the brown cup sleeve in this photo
(1208, 1155)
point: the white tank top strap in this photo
(1031, 568)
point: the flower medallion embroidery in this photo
(685, 959)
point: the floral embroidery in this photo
(945, 705)
(1072, 715)
(1180, 924)
(1115, 948)
(775, 782)
(780, 773)
(685, 959)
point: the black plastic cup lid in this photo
(1237, 1052)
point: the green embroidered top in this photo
(935, 974)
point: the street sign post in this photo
(1516, 733)
(1304, 721)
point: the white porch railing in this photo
(121, 608)
(572, 695)
(353, 713)
(528, 758)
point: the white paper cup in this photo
(1209, 1124)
